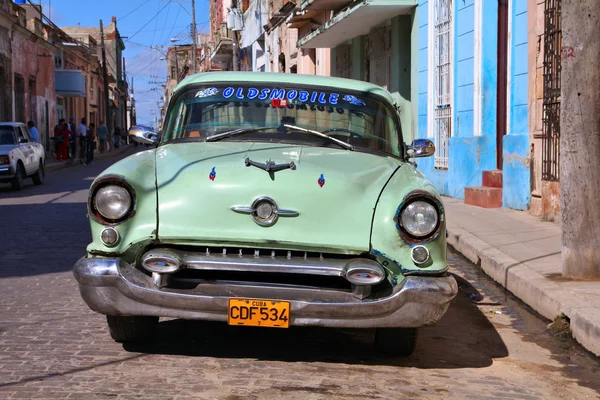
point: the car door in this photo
(38, 149)
(26, 146)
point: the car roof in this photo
(283, 78)
(11, 124)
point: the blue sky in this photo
(147, 23)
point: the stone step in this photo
(486, 197)
(492, 178)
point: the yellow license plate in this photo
(252, 312)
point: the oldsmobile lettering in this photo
(281, 94)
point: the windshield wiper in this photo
(321, 134)
(242, 131)
(234, 132)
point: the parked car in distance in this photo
(271, 200)
(143, 134)
(20, 156)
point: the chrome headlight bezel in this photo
(427, 198)
(110, 180)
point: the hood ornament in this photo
(270, 166)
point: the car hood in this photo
(5, 148)
(199, 183)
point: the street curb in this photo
(534, 289)
(57, 166)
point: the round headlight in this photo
(419, 218)
(113, 202)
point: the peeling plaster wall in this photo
(34, 61)
(545, 195)
(472, 149)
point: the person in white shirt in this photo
(82, 131)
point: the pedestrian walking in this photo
(61, 138)
(91, 143)
(102, 136)
(72, 137)
(33, 131)
(117, 137)
(82, 131)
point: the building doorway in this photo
(502, 99)
(20, 99)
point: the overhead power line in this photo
(134, 10)
(149, 21)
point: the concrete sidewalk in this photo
(522, 253)
(53, 165)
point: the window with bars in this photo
(442, 79)
(551, 94)
(380, 57)
(343, 61)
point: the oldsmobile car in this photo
(271, 200)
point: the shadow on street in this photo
(464, 338)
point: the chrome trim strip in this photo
(287, 213)
(243, 209)
(268, 263)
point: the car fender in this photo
(138, 170)
(386, 239)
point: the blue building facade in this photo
(472, 100)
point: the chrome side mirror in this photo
(150, 138)
(421, 148)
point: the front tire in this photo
(131, 329)
(38, 178)
(17, 181)
(396, 341)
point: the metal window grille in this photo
(343, 62)
(380, 57)
(551, 95)
(442, 112)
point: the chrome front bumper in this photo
(112, 287)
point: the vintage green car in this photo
(271, 200)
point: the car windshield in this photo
(269, 114)
(7, 135)
(143, 128)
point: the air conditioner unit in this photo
(234, 20)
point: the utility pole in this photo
(236, 43)
(176, 63)
(105, 78)
(131, 116)
(194, 36)
(580, 139)
(127, 95)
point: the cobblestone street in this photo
(488, 346)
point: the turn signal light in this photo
(364, 274)
(162, 262)
(3, 159)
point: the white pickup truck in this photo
(20, 156)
